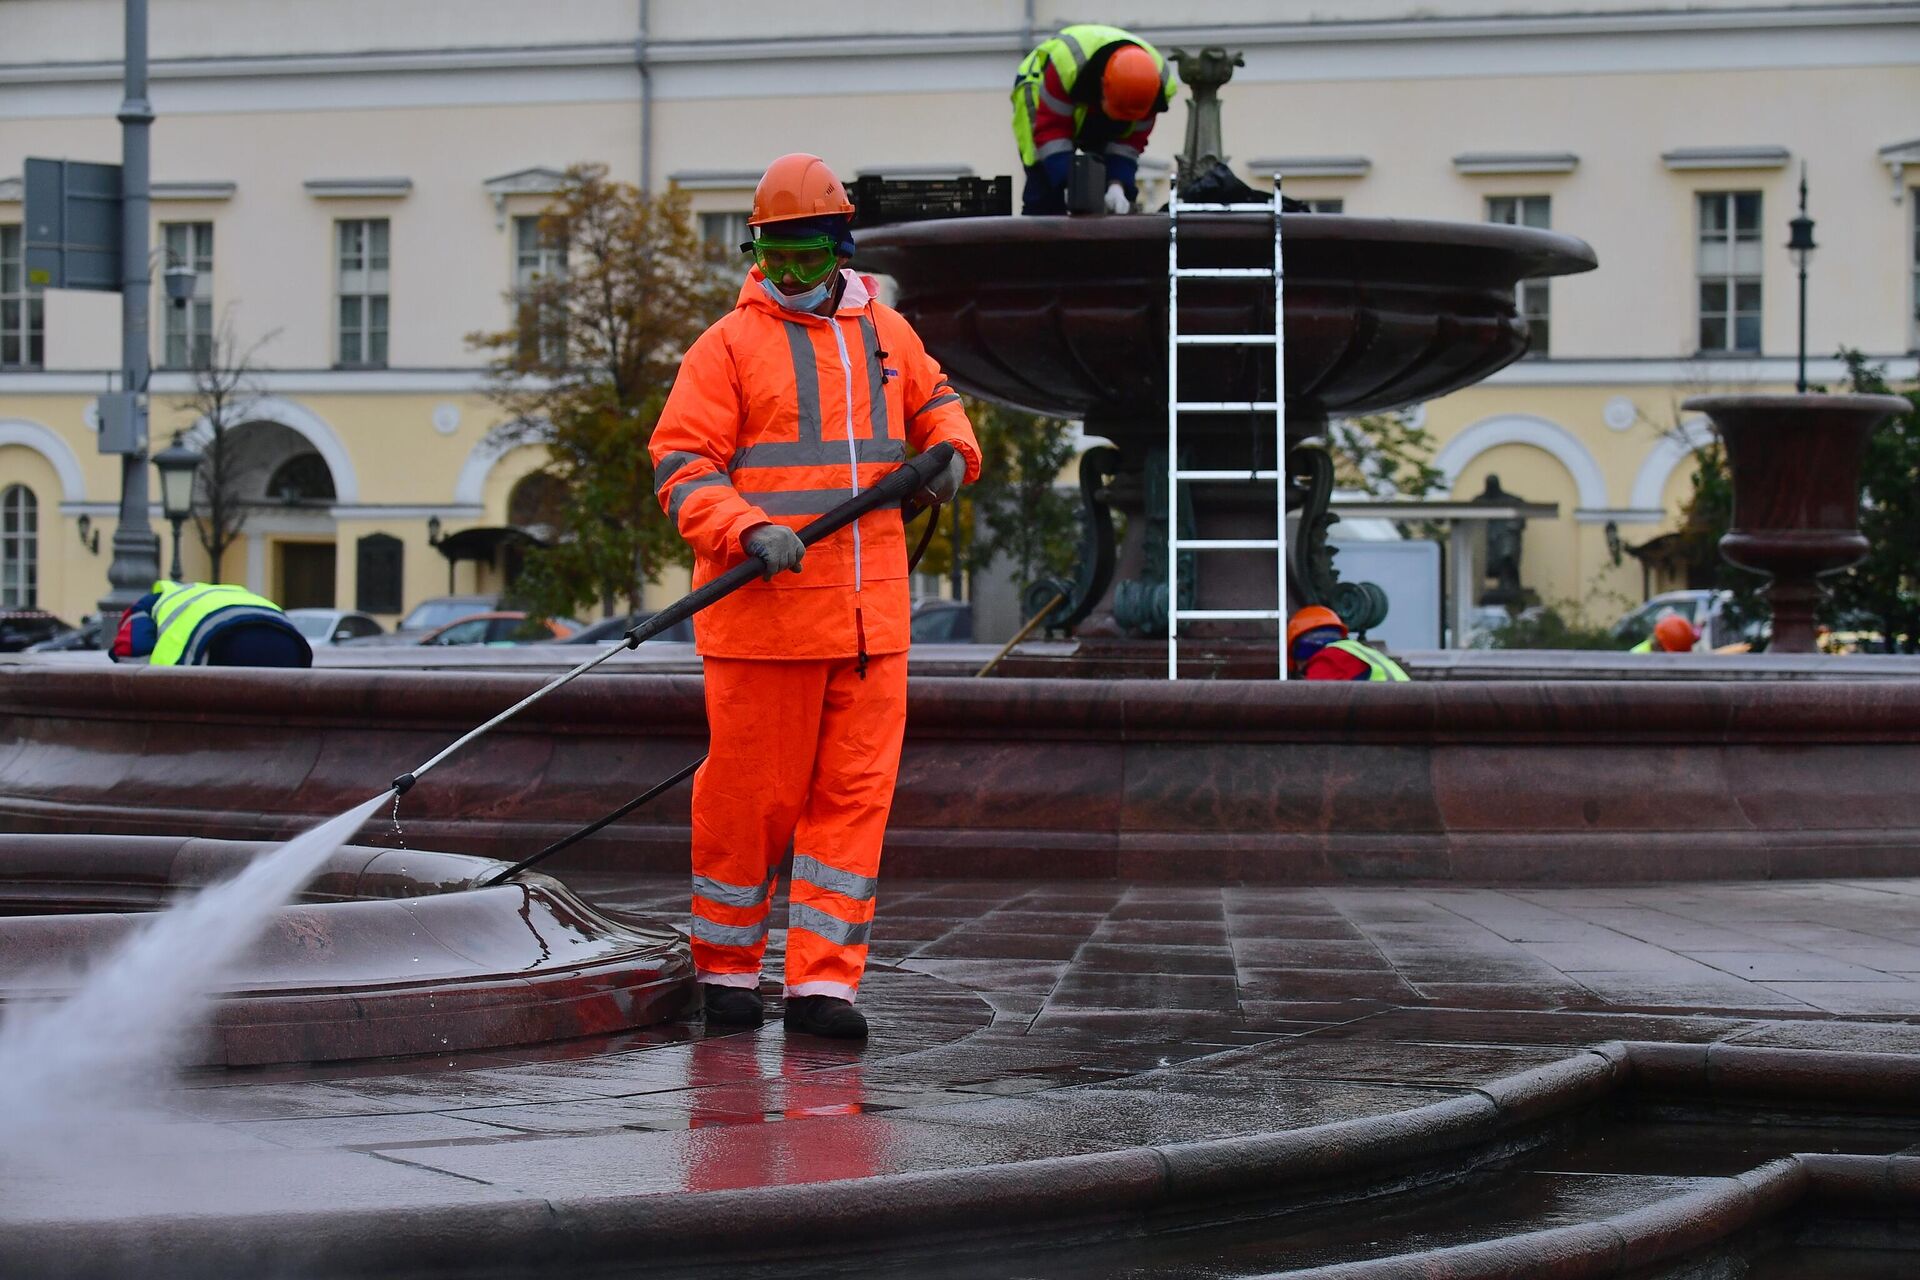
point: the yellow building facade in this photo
(356, 180)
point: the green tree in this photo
(585, 371)
(1886, 585)
(1383, 454)
(1017, 511)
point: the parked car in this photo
(334, 626)
(500, 628)
(86, 636)
(23, 628)
(608, 630)
(429, 616)
(942, 622)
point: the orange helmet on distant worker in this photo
(1312, 618)
(798, 186)
(1675, 634)
(1130, 86)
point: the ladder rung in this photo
(1227, 406)
(1265, 206)
(1248, 477)
(1227, 615)
(1224, 273)
(1224, 339)
(1226, 544)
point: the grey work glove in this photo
(777, 546)
(944, 486)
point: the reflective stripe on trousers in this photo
(802, 753)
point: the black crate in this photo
(878, 200)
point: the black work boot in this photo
(826, 1016)
(731, 1006)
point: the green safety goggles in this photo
(808, 259)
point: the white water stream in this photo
(65, 1066)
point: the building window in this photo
(22, 315)
(189, 328)
(539, 258)
(380, 558)
(1531, 295)
(363, 292)
(724, 233)
(19, 548)
(1913, 202)
(304, 477)
(1332, 204)
(1729, 269)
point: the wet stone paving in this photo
(1015, 1021)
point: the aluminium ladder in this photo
(1176, 407)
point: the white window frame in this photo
(1913, 303)
(23, 317)
(1732, 260)
(362, 275)
(726, 228)
(535, 259)
(186, 340)
(19, 548)
(1326, 204)
(1533, 298)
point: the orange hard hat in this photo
(1674, 633)
(1130, 86)
(798, 186)
(1312, 618)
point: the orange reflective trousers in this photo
(804, 751)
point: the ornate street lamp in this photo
(177, 465)
(1801, 245)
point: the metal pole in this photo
(1800, 384)
(175, 574)
(136, 548)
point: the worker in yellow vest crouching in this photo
(207, 624)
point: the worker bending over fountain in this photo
(807, 392)
(1318, 649)
(1091, 88)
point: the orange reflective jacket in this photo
(779, 416)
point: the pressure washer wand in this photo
(899, 485)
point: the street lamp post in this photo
(1801, 245)
(136, 549)
(178, 465)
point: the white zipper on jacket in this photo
(853, 449)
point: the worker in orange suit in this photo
(808, 391)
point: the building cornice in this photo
(1897, 157)
(358, 188)
(1478, 163)
(733, 50)
(1685, 159)
(1311, 166)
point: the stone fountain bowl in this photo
(1068, 316)
(387, 952)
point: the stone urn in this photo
(1795, 461)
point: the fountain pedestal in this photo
(1795, 461)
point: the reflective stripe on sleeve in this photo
(728, 935)
(1053, 148)
(729, 895)
(948, 397)
(812, 871)
(806, 379)
(686, 487)
(830, 927)
(876, 378)
(1054, 104)
(669, 467)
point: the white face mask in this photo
(808, 301)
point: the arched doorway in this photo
(266, 494)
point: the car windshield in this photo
(314, 626)
(438, 613)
